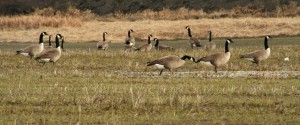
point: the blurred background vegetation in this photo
(194, 8)
(73, 17)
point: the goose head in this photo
(188, 57)
(130, 31)
(187, 27)
(229, 41)
(155, 39)
(44, 33)
(268, 37)
(59, 36)
(209, 33)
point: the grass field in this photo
(84, 87)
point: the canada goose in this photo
(146, 47)
(129, 41)
(161, 47)
(169, 62)
(51, 55)
(217, 59)
(103, 45)
(193, 41)
(259, 55)
(210, 46)
(33, 50)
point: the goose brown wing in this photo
(164, 47)
(142, 46)
(254, 54)
(164, 60)
(210, 57)
(153, 62)
(49, 54)
(210, 46)
(105, 45)
(28, 49)
(195, 41)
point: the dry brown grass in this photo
(71, 11)
(83, 26)
(36, 21)
(163, 29)
(73, 17)
(47, 17)
(289, 10)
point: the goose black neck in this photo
(266, 43)
(209, 37)
(149, 41)
(62, 43)
(128, 33)
(57, 42)
(41, 38)
(226, 47)
(157, 42)
(186, 57)
(50, 41)
(189, 31)
(103, 36)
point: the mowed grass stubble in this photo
(83, 87)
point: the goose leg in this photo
(256, 61)
(171, 71)
(216, 69)
(160, 72)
